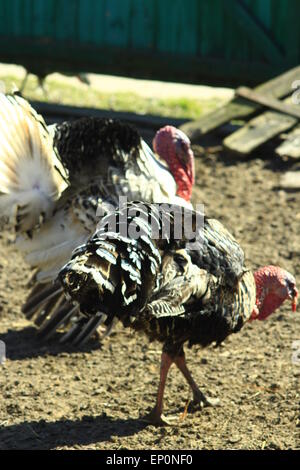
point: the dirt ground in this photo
(57, 397)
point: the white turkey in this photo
(52, 183)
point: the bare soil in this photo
(58, 397)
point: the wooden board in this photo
(268, 102)
(291, 144)
(290, 180)
(259, 36)
(240, 108)
(257, 131)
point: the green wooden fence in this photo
(224, 41)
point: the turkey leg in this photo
(198, 397)
(155, 417)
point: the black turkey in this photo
(191, 289)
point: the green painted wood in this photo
(210, 34)
(15, 17)
(85, 23)
(4, 19)
(285, 24)
(250, 25)
(142, 24)
(66, 19)
(117, 19)
(41, 17)
(98, 21)
(247, 40)
(25, 15)
(177, 27)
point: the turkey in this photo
(42, 71)
(53, 181)
(193, 288)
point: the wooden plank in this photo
(291, 145)
(142, 25)
(98, 13)
(239, 108)
(117, 16)
(39, 15)
(84, 22)
(290, 180)
(257, 131)
(176, 28)
(65, 19)
(268, 101)
(283, 19)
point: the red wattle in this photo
(184, 185)
(269, 305)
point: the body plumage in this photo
(56, 183)
(175, 290)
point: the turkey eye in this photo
(291, 287)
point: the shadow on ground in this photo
(42, 435)
(24, 344)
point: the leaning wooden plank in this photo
(257, 131)
(290, 180)
(268, 101)
(291, 144)
(239, 108)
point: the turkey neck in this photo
(184, 176)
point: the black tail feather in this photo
(87, 331)
(46, 310)
(60, 317)
(38, 296)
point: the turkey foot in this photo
(156, 418)
(200, 400)
(199, 397)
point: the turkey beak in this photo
(294, 298)
(293, 295)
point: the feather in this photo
(40, 295)
(31, 175)
(60, 316)
(89, 328)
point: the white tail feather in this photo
(31, 175)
